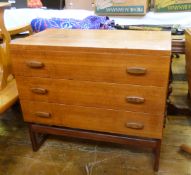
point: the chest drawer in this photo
(24, 64)
(105, 67)
(94, 94)
(95, 119)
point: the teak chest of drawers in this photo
(95, 84)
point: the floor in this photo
(63, 156)
(180, 86)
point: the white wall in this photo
(79, 4)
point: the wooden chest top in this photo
(133, 42)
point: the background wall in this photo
(21, 3)
(79, 4)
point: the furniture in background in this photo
(8, 89)
(181, 45)
(97, 86)
(185, 147)
(188, 59)
(178, 44)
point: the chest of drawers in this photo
(102, 85)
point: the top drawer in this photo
(105, 67)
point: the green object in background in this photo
(121, 10)
(121, 7)
(172, 5)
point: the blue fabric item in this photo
(91, 22)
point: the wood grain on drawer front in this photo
(21, 61)
(96, 119)
(94, 94)
(104, 67)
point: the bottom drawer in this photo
(95, 119)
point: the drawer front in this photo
(115, 68)
(95, 119)
(31, 64)
(147, 99)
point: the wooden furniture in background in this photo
(188, 59)
(8, 90)
(178, 44)
(94, 84)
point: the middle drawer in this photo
(146, 99)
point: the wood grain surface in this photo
(89, 118)
(115, 41)
(92, 66)
(94, 94)
(96, 80)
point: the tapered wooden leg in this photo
(157, 155)
(37, 139)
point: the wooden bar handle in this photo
(39, 91)
(136, 70)
(135, 99)
(43, 114)
(133, 125)
(35, 64)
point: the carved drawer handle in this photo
(42, 114)
(39, 91)
(135, 100)
(35, 64)
(133, 125)
(136, 70)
